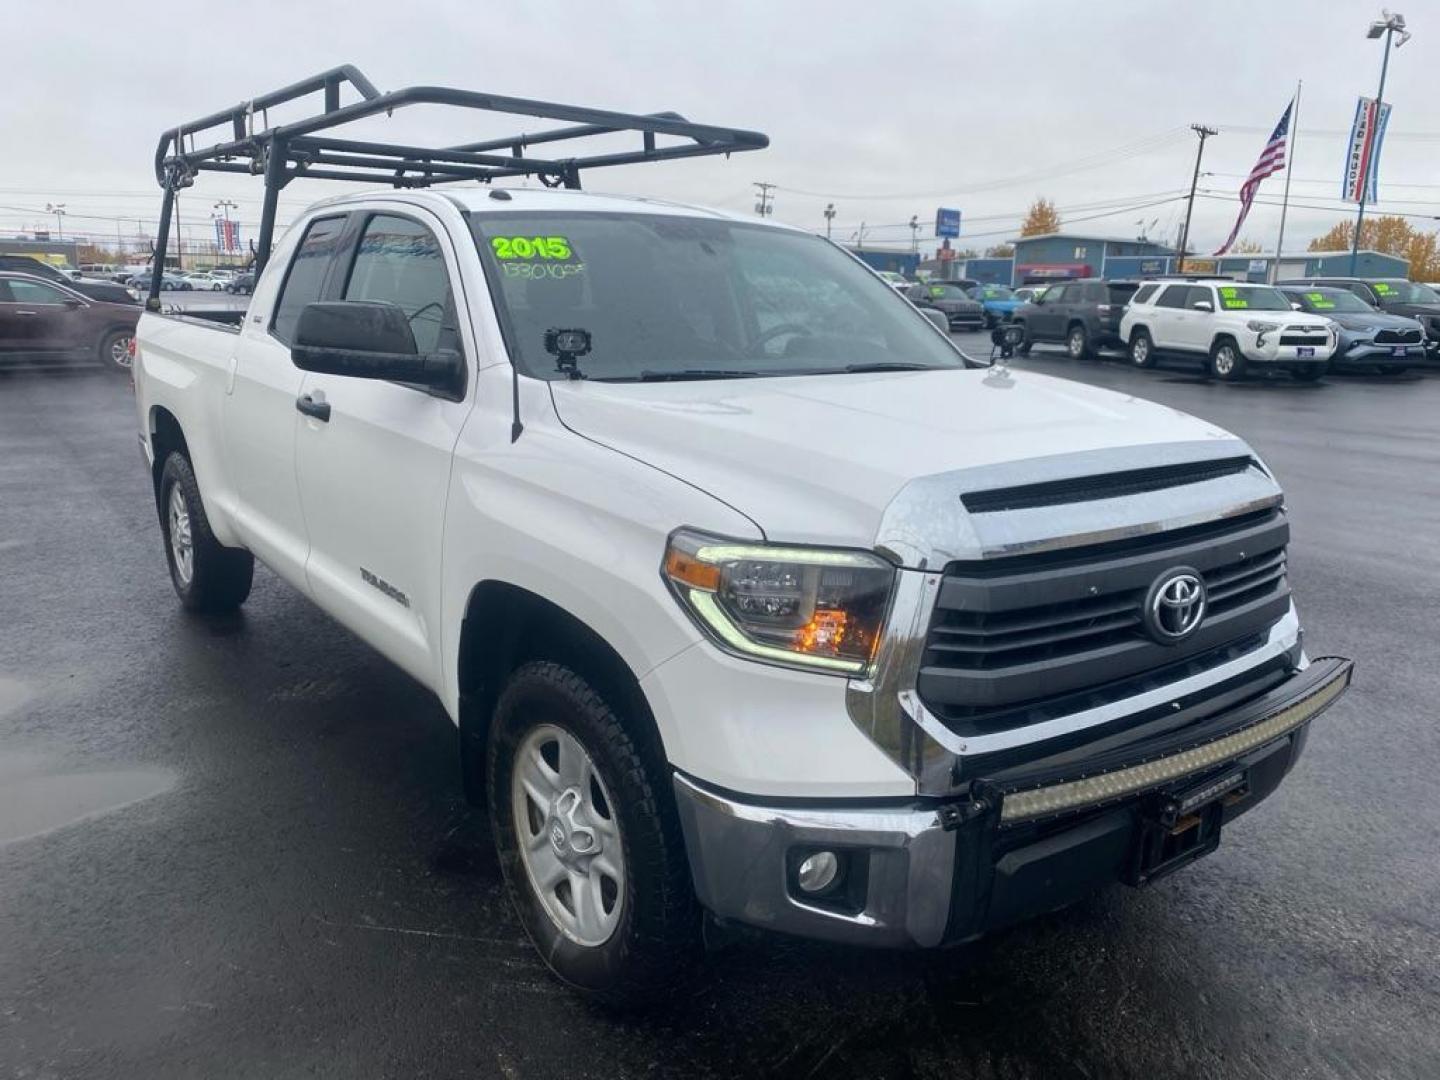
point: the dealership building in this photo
(1067, 256)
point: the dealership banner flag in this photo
(1362, 163)
(1271, 161)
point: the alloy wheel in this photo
(568, 835)
(182, 548)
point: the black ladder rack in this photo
(306, 147)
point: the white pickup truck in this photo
(748, 593)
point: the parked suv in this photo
(101, 291)
(45, 322)
(1227, 326)
(1085, 315)
(949, 297)
(1391, 344)
(1394, 296)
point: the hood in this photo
(1366, 320)
(817, 459)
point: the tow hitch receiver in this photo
(1176, 829)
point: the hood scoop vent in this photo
(1107, 486)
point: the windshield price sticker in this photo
(1380, 287)
(1231, 300)
(538, 270)
(937, 290)
(1318, 300)
(544, 248)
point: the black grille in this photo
(1010, 636)
(1304, 339)
(1109, 486)
(1398, 337)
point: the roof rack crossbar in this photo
(284, 152)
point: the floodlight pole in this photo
(1370, 165)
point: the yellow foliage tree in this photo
(1246, 247)
(1392, 235)
(1042, 218)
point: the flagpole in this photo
(1289, 168)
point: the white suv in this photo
(1228, 325)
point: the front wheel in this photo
(588, 838)
(1226, 361)
(114, 349)
(1142, 349)
(1077, 343)
(208, 576)
(1026, 344)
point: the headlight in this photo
(1259, 327)
(814, 608)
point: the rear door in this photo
(260, 416)
(1167, 328)
(1198, 327)
(375, 475)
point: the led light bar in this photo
(1041, 802)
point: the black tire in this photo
(114, 349)
(1077, 342)
(1310, 372)
(1226, 361)
(219, 577)
(1023, 349)
(657, 936)
(1142, 349)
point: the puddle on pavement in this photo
(36, 797)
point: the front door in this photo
(1050, 315)
(374, 476)
(41, 318)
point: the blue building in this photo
(1064, 256)
(902, 262)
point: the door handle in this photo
(27, 313)
(320, 410)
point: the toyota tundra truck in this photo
(751, 597)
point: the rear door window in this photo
(307, 273)
(1144, 293)
(1174, 296)
(1117, 294)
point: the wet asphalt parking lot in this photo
(238, 848)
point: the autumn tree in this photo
(1246, 247)
(1392, 235)
(1000, 251)
(1040, 219)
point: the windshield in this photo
(1333, 300)
(945, 292)
(1404, 292)
(992, 292)
(1234, 298)
(678, 297)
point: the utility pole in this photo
(1388, 26)
(1204, 133)
(58, 209)
(765, 207)
(829, 217)
(914, 234)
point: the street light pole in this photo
(914, 234)
(829, 217)
(1204, 133)
(58, 209)
(1389, 25)
(225, 206)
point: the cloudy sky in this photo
(886, 110)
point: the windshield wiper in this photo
(693, 374)
(888, 365)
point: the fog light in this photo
(818, 872)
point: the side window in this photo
(1058, 293)
(400, 261)
(1198, 293)
(1174, 296)
(306, 276)
(1144, 293)
(1362, 291)
(36, 292)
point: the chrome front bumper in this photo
(1021, 842)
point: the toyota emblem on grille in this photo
(1175, 606)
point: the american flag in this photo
(1271, 161)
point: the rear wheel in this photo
(588, 838)
(1077, 342)
(1025, 341)
(1142, 349)
(208, 576)
(1226, 361)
